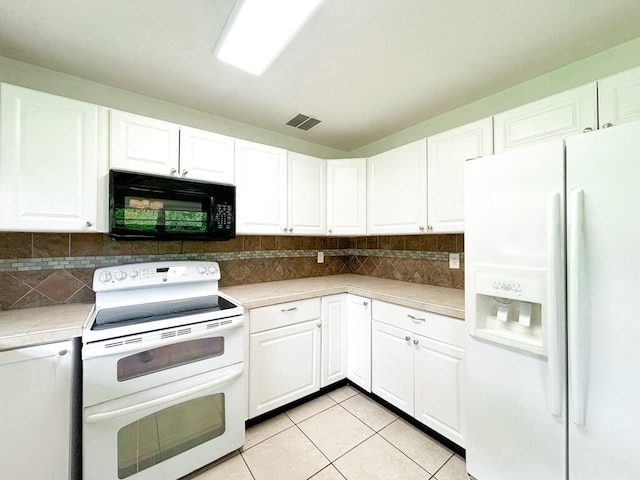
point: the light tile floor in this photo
(340, 435)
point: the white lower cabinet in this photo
(35, 412)
(418, 366)
(359, 341)
(334, 339)
(284, 354)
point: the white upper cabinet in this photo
(142, 144)
(307, 187)
(206, 156)
(447, 152)
(146, 145)
(619, 98)
(556, 117)
(48, 162)
(261, 189)
(347, 196)
(397, 190)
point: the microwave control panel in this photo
(224, 217)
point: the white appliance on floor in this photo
(553, 353)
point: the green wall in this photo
(614, 60)
(606, 63)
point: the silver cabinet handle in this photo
(290, 229)
(89, 224)
(415, 342)
(284, 229)
(407, 338)
(173, 171)
(62, 353)
(607, 125)
(319, 325)
(365, 303)
(292, 309)
(416, 319)
(330, 230)
(184, 172)
(429, 227)
(587, 130)
(421, 228)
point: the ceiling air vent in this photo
(303, 122)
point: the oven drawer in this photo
(283, 314)
(167, 431)
(112, 372)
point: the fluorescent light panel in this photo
(261, 30)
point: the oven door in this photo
(114, 368)
(165, 432)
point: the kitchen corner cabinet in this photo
(418, 365)
(35, 411)
(147, 145)
(446, 155)
(307, 186)
(347, 197)
(556, 117)
(397, 190)
(334, 339)
(359, 341)
(284, 354)
(48, 162)
(619, 98)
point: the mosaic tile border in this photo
(53, 263)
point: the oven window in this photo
(169, 356)
(145, 214)
(169, 432)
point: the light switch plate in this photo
(320, 257)
(454, 260)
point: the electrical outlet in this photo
(454, 260)
(320, 257)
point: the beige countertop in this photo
(445, 301)
(31, 326)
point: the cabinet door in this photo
(347, 196)
(48, 162)
(334, 339)
(439, 387)
(261, 189)
(284, 366)
(446, 155)
(359, 341)
(35, 411)
(392, 365)
(307, 186)
(397, 190)
(619, 98)
(555, 117)
(206, 156)
(142, 144)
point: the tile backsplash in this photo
(38, 269)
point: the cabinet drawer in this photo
(283, 314)
(431, 325)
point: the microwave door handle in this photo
(121, 412)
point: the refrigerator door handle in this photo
(577, 364)
(555, 337)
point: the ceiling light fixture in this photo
(258, 30)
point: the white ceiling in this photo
(367, 68)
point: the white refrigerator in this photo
(552, 292)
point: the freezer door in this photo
(603, 187)
(516, 415)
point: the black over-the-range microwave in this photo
(152, 207)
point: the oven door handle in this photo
(121, 412)
(98, 350)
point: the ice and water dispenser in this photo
(508, 306)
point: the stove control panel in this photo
(138, 275)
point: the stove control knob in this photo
(133, 273)
(105, 277)
(201, 269)
(121, 275)
(212, 269)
